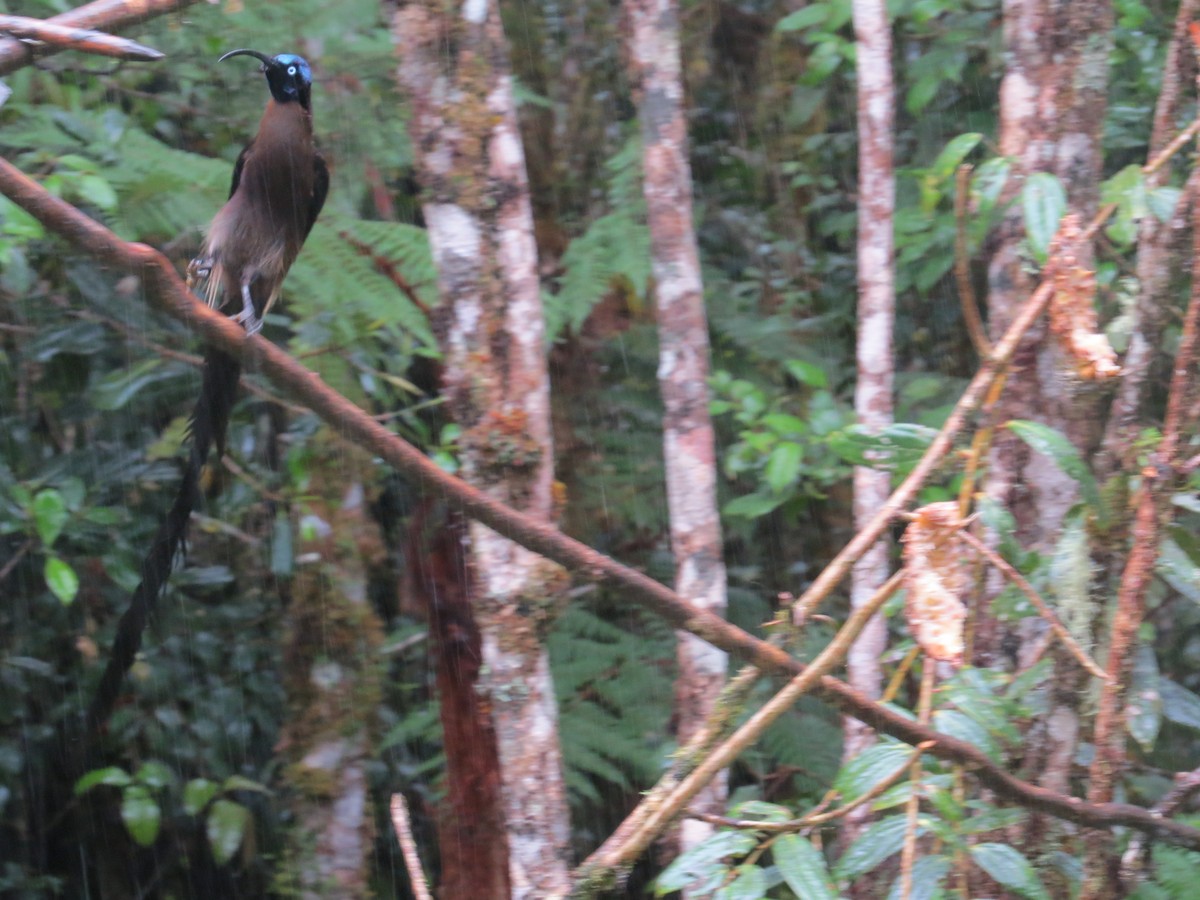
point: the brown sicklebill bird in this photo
(279, 186)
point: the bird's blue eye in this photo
(291, 70)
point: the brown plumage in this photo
(278, 189)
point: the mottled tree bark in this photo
(1052, 103)
(688, 443)
(489, 323)
(876, 315)
(332, 675)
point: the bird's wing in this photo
(237, 168)
(320, 189)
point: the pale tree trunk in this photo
(1052, 104)
(489, 323)
(688, 444)
(332, 676)
(876, 315)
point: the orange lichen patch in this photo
(936, 577)
(1072, 312)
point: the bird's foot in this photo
(248, 318)
(198, 270)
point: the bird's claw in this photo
(198, 270)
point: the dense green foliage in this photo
(187, 796)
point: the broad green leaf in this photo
(1127, 189)
(96, 190)
(141, 814)
(242, 783)
(959, 725)
(749, 884)
(1054, 444)
(196, 794)
(881, 840)
(751, 506)
(225, 827)
(116, 389)
(803, 868)
(897, 447)
(61, 579)
(1010, 869)
(1178, 570)
(154, 774)
(1179, 705)
(807, 17)
(760, 810)
(870, 767)
(1043, 201)
(928, 872)
(49, 515)
(783, 465)
(111, 775)
(704, 862)
(806, 373)
(1162, 202)
(1144, 706)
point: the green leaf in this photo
(783, 466)
(752, 506)
(803, 868)
(959, 725)
(196, 794)
(1162, 202)
(97, 191)
(870, 768)
(750, 884)
(141, 814)
(1179, 705)
(1044, 201)
(241, 783)
(111, 775)
(49, 515)
(806, 373)
(225, 827)
(928, 873)
(1127, 189)
(898, 447)
(1054, 444)
(1177, 569)
(1010, 869)
(116, 389)
(705, 863)
(154, 774)
(953, 154)
(807, 17)
(61, 579)
(1144, 706)
(881, 840)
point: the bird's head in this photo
(288, 75)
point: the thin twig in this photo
(1043, 608)
(962, 265)
(908, 853)
(408, 847)
(15, 558)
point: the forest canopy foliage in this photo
(192, 798)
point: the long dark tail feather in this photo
(209, 421)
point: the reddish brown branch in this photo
(82, 39)
(168, 293)
(104, 15)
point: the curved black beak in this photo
(262, 57)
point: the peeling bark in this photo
(688, 442)
(876, 315)
(1052, 102)
(489, 323)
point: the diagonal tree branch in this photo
(168, 293)
(102, 15)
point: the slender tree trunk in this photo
(688, 444)
(332, 675)
(489, 323)
(1052, 102)
(876, 315)
(470, 822)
